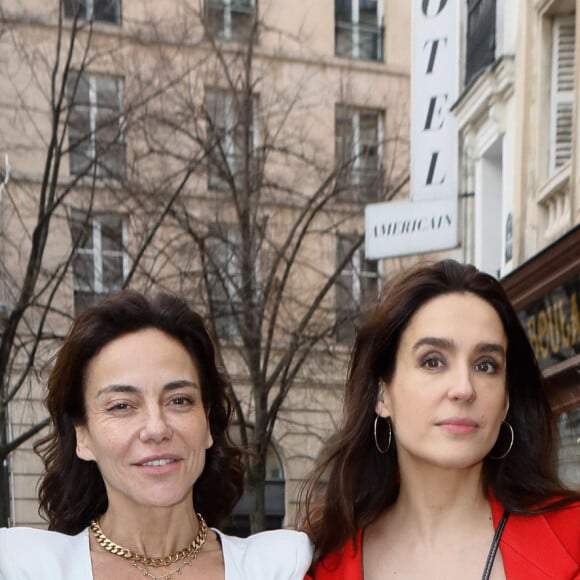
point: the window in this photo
(229, 19)
(223, 266)
(225, 279)
(230, 120)
(356, 289)
(99, 261)
(562, 91)
(100, 10)
(239, 521)
(481, 17)
(95, 132)
(358, 29)
(359, 153)
(569, 452)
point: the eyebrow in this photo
(130, 389)
(445, 343)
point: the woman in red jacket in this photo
(445, 465)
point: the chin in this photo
(463, 462)
(165, 499)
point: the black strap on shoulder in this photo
(494, 546)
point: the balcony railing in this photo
(360, 41)
(481, 23)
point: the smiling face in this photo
(448, 396)
(146, 427)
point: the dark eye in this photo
(486, 366)
(120, 406)
(181, 400)
(432, 362)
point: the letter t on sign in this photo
(434, 42)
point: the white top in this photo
(31, 554)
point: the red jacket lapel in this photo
(537, 547)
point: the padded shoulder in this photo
(27, 553)
(280, 554)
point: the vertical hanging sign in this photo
(428, 221)
(434, 88)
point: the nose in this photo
(462, 388)
(155, 426)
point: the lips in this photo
(459, 421)
(458, 425)
(157, 460)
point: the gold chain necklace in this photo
(190, 552)
(168, 575)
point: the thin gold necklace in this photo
(190, 552)
(167, 575)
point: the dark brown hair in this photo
(361, 483)
(72, 491)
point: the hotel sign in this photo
(553, 324)
(434, 88)
(400, 228)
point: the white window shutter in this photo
(562, 91)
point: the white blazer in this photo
(32, 554)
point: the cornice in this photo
(492, 86)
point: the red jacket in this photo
(536, 547)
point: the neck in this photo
(431, 498)
(154, 531)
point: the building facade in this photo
(518, 139)
(139, 130)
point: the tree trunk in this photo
(257, 489)
(4, 479)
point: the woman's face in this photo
(448, 395)
(146, 426)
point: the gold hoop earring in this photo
(510, 445)
(390, 438)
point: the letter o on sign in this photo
(428, 11)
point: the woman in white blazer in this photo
(139, 468)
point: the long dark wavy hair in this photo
(353, 484)
(72, 491)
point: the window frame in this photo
(481, 31)
(222, 276)
(358, 184)
(561, 100)
(275, 491)
(88, 7)
(228, 126)
(351, 280)
(225, 280)
(230, 10)
(356, 28)
(83, 150)
(96, 223)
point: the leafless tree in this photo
(64, 130)
(250, 236)
(232, 199)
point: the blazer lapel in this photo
(531, 549)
